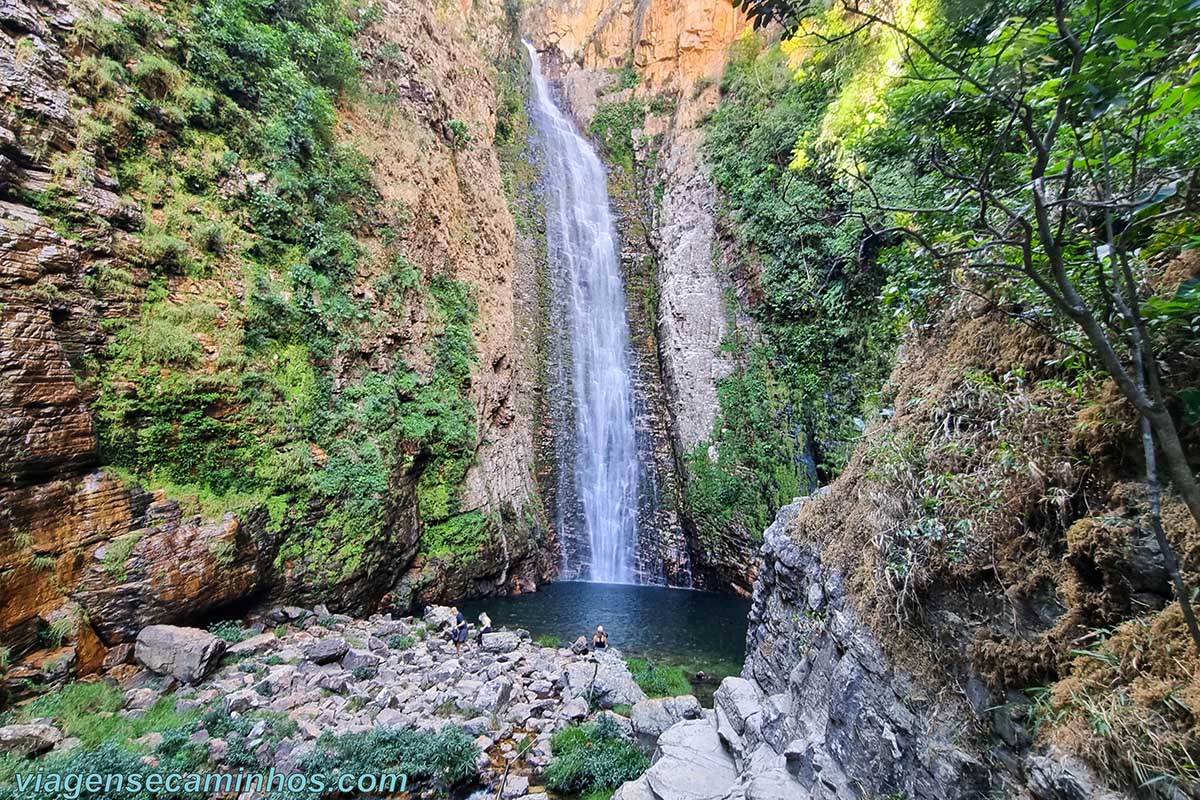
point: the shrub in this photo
(444, 759)
(166, 251)
(213, 238)
(399, 642)
(155, 75)
(595, 757)
(549, 640)
(230, 630)
(659, 680)
(458, 133)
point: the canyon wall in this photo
(986, 661)
(655, 68)
(89, 553)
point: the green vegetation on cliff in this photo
(236, 377)
(1020, 180)
(822, 294)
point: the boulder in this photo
(515, 786)
(30, 739)
(579, 646)
(494, 695)
(574, 709)
(186, 654)
(438, 616)
(500, 642)
(1061, 776)
(252, 646)
(326, 651)
(635, 790)
(653, 716)
(240, 701)
(605, 679)
(360, 659)
(691, 764)
(740, 700)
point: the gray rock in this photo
(438, 616)
(604, 678)
(327, 650)
(140, 699)
(477, 726)
(240, 701)
(515, 786)
(360, 659)
(579, 646)
(30, 739)
(1059, 776)
(186, 654)
(576, 708)
(335, 681)
(252, 646)
(740, 700)
(775, 784)
(653, 716)
(691, 764)
(500, 642)
(494, 695)
(393, 718)
(635, 790)
(445, 672)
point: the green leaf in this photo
(1191, 405)
(1124, 42)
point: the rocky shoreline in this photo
(319, 674)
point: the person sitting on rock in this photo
(599, 639)
(485, 626)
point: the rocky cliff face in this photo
(673, 54)
(87, 556)
(884, 658)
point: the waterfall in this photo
(589, 303)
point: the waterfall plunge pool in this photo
(697, 631)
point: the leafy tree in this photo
(1065, 139)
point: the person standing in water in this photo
(599, 639)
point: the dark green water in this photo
(698, 631)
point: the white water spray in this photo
(581, 242)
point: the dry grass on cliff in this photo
(1127, 703)
(977, 465)
(993, 526)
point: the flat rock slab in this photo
(691, 764)
(186, 654)
(607, 679)
(500, 642)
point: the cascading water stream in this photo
(589, 295)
